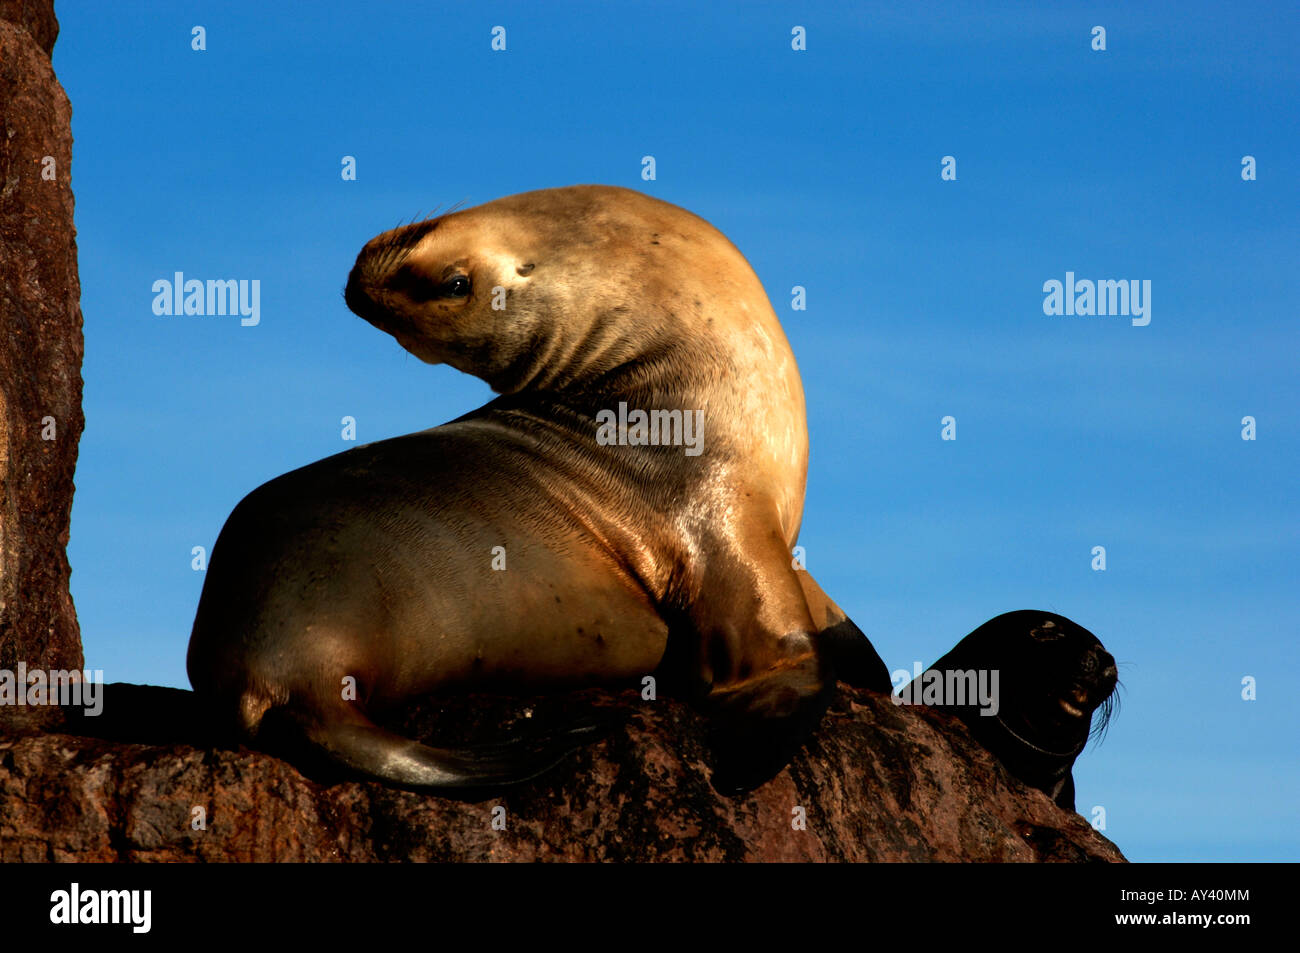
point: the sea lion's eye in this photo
(417, 286)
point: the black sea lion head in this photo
(1055, 675)
(1052, 677)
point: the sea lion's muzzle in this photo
(355, 296)
(1097, 677)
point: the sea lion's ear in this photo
(524, 270)
(1048, 631)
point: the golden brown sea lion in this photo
(549, 538)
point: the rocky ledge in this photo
(146, 781)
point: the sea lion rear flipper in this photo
(365, 748)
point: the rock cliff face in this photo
(878, 783)
(37, 18)
(40, 346)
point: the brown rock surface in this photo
(36, 17)
(878, 782)
(40, 347)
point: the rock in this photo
(36, 17)
(878, 782)
(40, 347)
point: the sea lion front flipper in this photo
(766, 679)
(1064, 796)
(851, 653)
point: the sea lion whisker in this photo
(1105, 714)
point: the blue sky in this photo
(823, 166)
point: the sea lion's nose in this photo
(354, 294)
(1099, 665)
